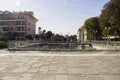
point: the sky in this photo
(58, 16)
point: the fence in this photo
(61, 46)
(106, 45)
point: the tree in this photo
(43, 31)
(3, 38)
(15, 34)
(57, 37)
(37, 37)
(43, 34)
(49, 35)
(73, 38)
(92, 27)
(29, 37)
(1, 32)
(110, 16)
(10, 35)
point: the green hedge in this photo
(3, 44)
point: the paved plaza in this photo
(79, 65)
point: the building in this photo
(82, 34)
(79, 35)
(18, 24)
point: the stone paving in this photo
(33, 65)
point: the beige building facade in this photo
(18, 23)
(82, 34)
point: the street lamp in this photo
(107, 28)
(96, 34)
(90, 35)
(39, 31)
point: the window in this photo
(28, 23)
(22, 23)
(11, 28)
(28, 29)
(0, 17)
(5, 29)
(18, 29)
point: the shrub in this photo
(3, 44)
(3, 38)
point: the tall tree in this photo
(92, 27)
(110, 17)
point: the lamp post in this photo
(107, 29)
(39, 31)
(96, 34)
(90, 35)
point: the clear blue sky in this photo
(59, 16)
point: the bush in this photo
(3, 44)
(3, 38)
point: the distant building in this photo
(79, 35)
(82, 34)
(18, 23)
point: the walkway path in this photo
(37, 65)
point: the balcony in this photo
(19, 25)
(21, 31)
(12, 20)
(4, 25)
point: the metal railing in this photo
(106, 45)
(59, 46)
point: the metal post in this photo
(108, 36)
